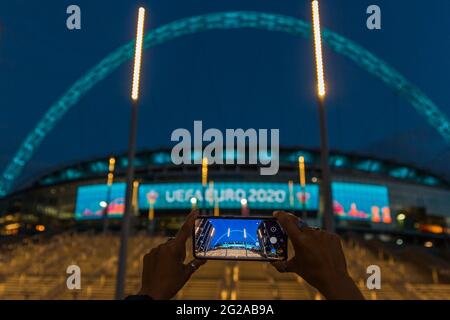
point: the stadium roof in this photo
(288, 156)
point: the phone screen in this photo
(236, 238)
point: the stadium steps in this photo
(360, 257)
(403, 269)
(431, 291)
(209, 282)
(201, 289)
(290, 290)
(255, 289)
(26, 287)
(37, 270)
(436, 267)
(387, 292)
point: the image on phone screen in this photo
(239, 239)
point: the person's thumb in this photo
(289, 223)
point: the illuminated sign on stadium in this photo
(228, 195)
(351, 200)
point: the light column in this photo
(326, 204)
(126, 221)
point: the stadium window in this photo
(98, 166)
(401, 172)
(338, 161)
(369, 165)
(161, 158)
(71, 174)
(431, 181)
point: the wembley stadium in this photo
(148, 226)
(369, 194)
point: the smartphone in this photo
(239, 238)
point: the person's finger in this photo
(186, 231)
(192, 266)
(284, 266)
(289, 223)
(149, 260)
(150, 257)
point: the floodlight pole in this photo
(126, 221)
(326, 201)
(110, 181)
(204, 183)
(106, 210)
(326, 205)
(302, 179)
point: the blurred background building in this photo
(389, 214)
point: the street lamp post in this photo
(326, 204)
(204, 183)
(302, 176)
(112, 163)
(194, 203)
(121, 271)
(244, 207)
(291, 194)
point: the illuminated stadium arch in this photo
(222, 20)
(233, 231)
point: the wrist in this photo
(341, 288)
(147, 292)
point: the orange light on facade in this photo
(428, 244)
(110, 179)
(40, 228)
(431, 228)
(386, 215)
(376, 214)
(204, 171)
(112, 164)
(211, 193)
(291, 192)
(135, 195)
(12, 226)
(301, 170)
(216, 209)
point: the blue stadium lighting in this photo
(338, 161)
(369, 165)
(402, 172)
(354, 201)
(98, 166)
(161, 158)
(349, 162)
(432, 181)
(293, 158)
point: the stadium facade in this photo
(368, 193)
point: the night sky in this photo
(229, 79)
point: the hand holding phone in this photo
(164, 272)
(239, 238)
(319, 259)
